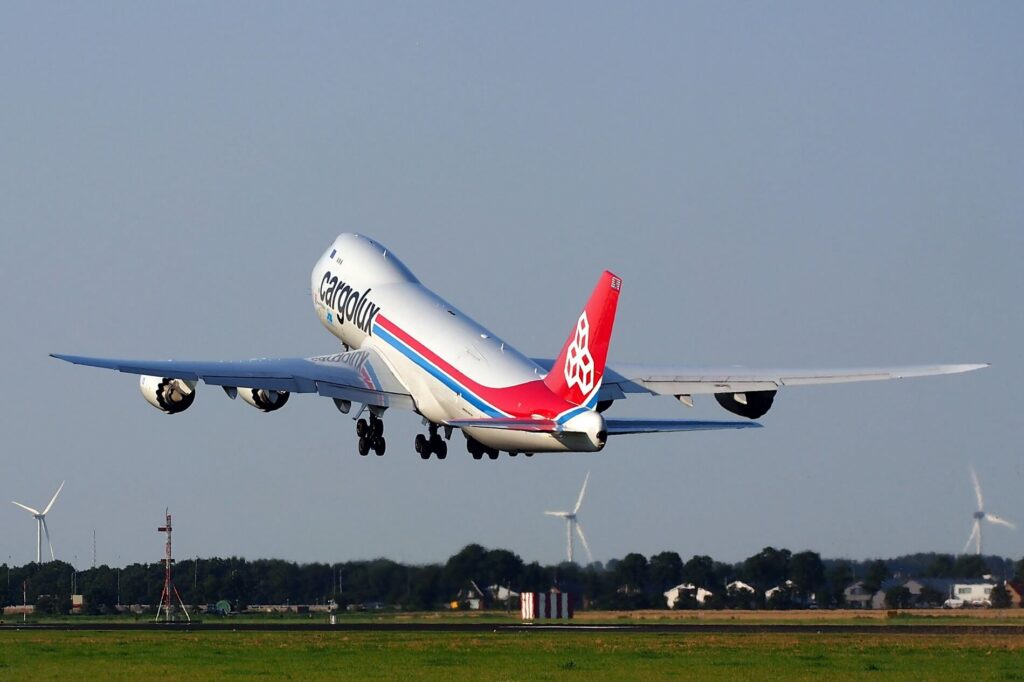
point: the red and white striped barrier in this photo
(546, 605)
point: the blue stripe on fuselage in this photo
(436, 372)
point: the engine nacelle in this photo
(168, 395)
(262, 399)
(752, 404)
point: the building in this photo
(773, 591)
(1015, 589)
(501, 593)
(685, 590)
(739, 586)
(857, 596)
(974, 593)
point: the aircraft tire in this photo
(377, 426)
(361, 428)
(421, 446)
(493, 454)
(476, 454)
(379, 446)
(364, 447)
(441, 450)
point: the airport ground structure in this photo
(480, 578)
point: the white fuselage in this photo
(452, 366)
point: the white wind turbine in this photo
(982, 515)
(41, 524)
(571, 521)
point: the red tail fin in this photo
(576, 374)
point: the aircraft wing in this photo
(360, 376)
(701, 380)
(621, 378)
(620, 427)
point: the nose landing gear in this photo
(432, 444)
(371, 436)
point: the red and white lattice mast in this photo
(169, 591)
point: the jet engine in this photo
(751, 404)
(168, 395)
(262, 399)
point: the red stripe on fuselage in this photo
(521, 400)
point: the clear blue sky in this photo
(778, 184)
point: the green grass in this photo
(518, 656)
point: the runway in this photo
(661, 629)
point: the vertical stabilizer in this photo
(576, 374)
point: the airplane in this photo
(405, 347)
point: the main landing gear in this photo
(371, 436)
(478, 449)
(432, 444)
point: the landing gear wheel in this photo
(476, 454)
(379, 445)
(377, 425)
(512, 454)
(361, 428)
(528, 454)
(364, 447)
(422, 446)
(493, 454)
(441, 450)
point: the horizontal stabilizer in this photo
(510, 424)
(618, 427)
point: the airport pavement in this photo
(659, 628)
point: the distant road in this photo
(661, 628)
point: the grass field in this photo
(54, 655)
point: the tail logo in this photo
(579, 363)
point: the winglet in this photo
(577, 373)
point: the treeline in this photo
(632, 582)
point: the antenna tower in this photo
(169, 591)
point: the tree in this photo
(767, 568)
(665, 570)
(466, 564)
(632, 571)
(807, 572)
(930, 597)
(1000, 597)
(877, 573)
(501, 567)
(942, 566)
(970, 566)
(839, 577)
(700, 570)
(898, 597)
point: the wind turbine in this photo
(41, 524)
(571, 521)
(982, 515)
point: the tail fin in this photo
(576, 374)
